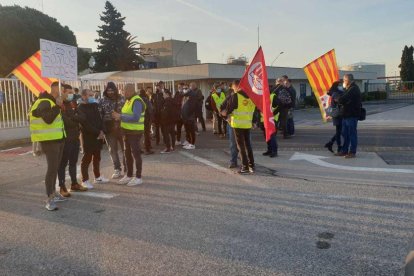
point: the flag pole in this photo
(258, 36)
(60, 89)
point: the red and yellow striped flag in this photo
(29, 72)
(322, 73)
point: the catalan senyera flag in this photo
(29, 72)
(322, 73)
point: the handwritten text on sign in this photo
(59, 61)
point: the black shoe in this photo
(232, 166)
(273, 155)
(243, 171)
(329, 146)
(267, 153)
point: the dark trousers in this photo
(168, 134)
(70, 155)
(53, 151)
(200, 118)
(337, 137)
(157, 130)
(179, 127)
(221, 124)
(283, 121)
(290, 126)
(244, 146)
(133, 152)
(190, 131)
(88, 157)
(114, 139)
(147, 136)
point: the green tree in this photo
(117, 50)
(20, 31)
(407, 64)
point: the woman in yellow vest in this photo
(46, 127)
(241, 109)
(132, 125)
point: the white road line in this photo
(6, 150)
(96, 194)
(317, 160)
(26, 153)
(213, 165)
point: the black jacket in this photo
(351, 102)
(157, 103)
(169, 112)
(189, 109)
(91, 126)
(71, 119)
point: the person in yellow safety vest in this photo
(217, 98)
(132, 124)
(241, 109)
(46, 127)
(272, 147)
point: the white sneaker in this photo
(185, 143)
(178, 143)
(87, 184)
(101, 180)
(124, 180)
(134, 182)
(189, 147)
(117, 174)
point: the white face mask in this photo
(185, 90)
(344, 85)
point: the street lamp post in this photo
(277, 58)
(176, 55)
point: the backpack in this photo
(207, 103)
(284, 97)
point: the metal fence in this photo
(16, 98)
(393, 91)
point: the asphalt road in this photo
(192, 216)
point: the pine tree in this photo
(116, 49)
(407, 64)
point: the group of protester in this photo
(66, 122)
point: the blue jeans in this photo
(350, 134)
(234, 152)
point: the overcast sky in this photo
(360, 30)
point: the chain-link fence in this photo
(16, 98)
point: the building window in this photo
(302, 91)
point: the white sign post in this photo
(58, 61)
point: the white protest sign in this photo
(58, 60)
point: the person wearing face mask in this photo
(71, 119)
(218, 97)
(157, 103)
(169, 115)
(335, 92)
(178, 100)
(112, 101)
(92, 139)
(188, 114)
(47, 127)
(351, 105)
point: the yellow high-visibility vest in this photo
(242, 116)
(40, 130)
(127, 109)
(275, 117)
(219, 100)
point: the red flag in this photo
(254, 82)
